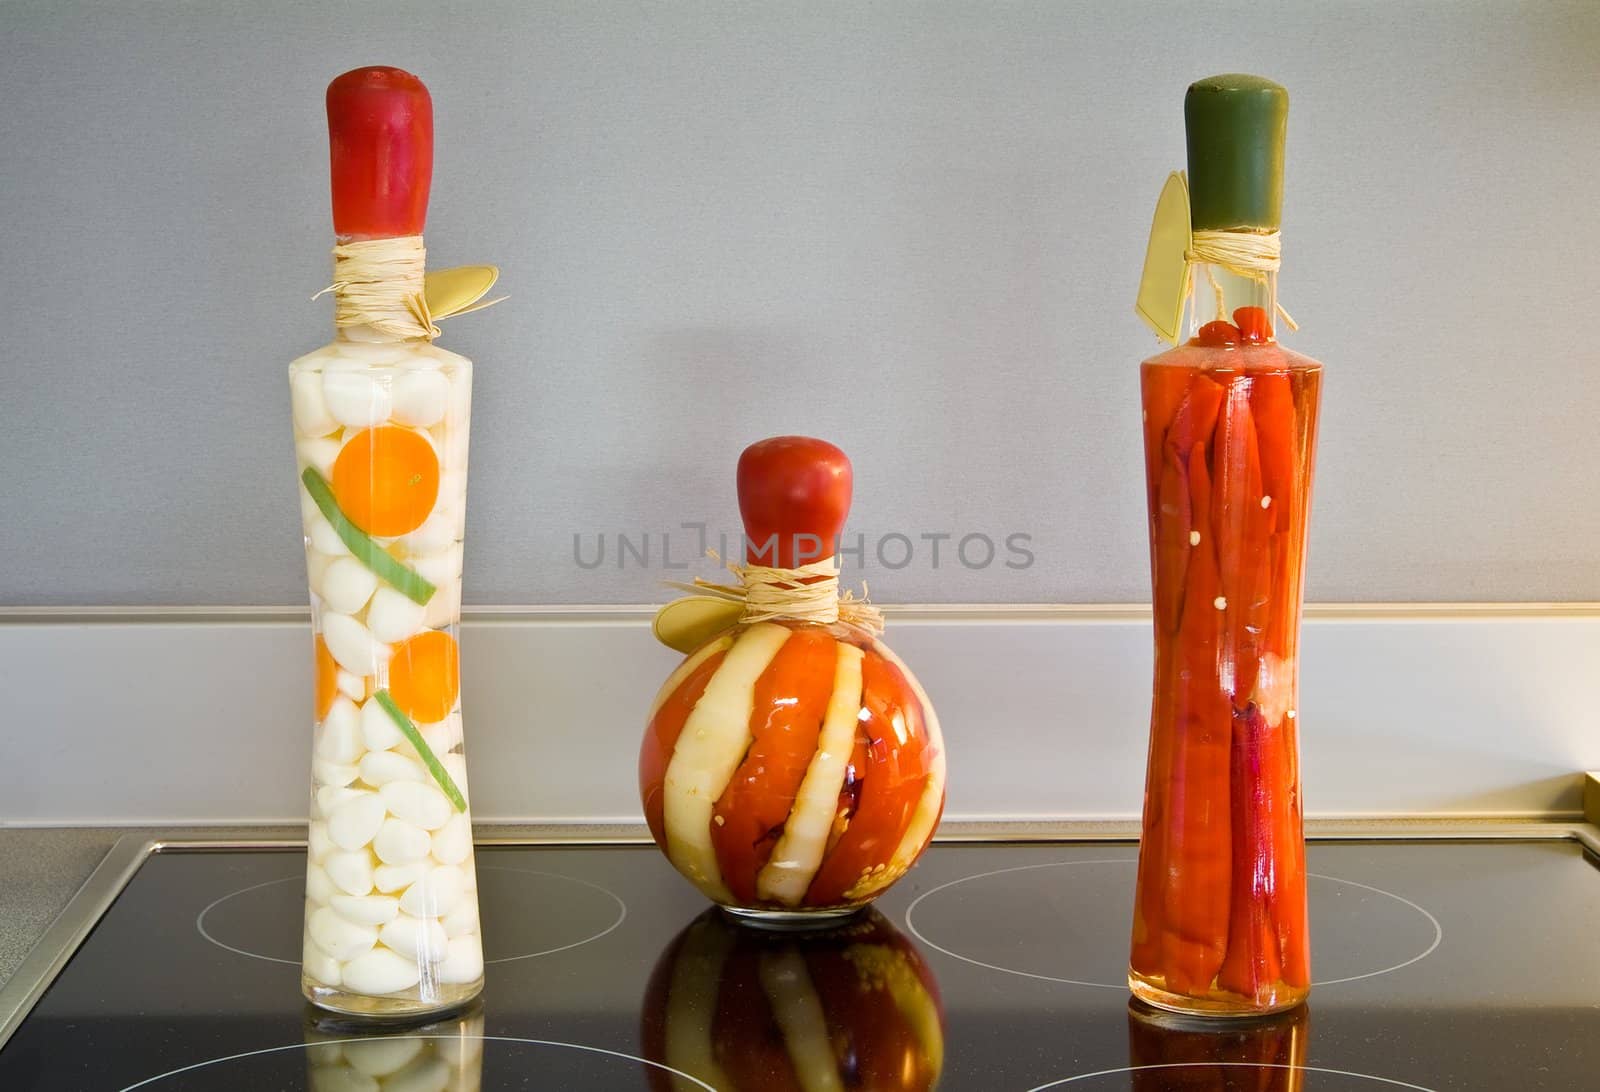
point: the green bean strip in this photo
(404, 580)
(409, 730)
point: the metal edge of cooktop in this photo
(78, 919)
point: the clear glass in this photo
(448, 1054)
(381, 432)
(1230, 430)
(792, 771)
(743, 1010)
(1266, 1055)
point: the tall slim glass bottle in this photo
(380, 421)
(1230, 427)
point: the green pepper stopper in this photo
(1236, 125)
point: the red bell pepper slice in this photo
(864, 1021)
(661, 736)
(791, 698)
(747, 1042)
(894, 778)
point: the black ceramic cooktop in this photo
(1472, 965)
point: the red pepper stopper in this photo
(794, 495)
(380, 143)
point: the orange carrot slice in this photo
(327, 684)
(386, 480)
(425, 676)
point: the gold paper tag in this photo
(686, 624)
(1164, 285)
(457, 291)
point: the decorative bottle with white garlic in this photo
(380, 423)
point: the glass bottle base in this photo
(392, 1009)
(791, 920)
(1217, 1006)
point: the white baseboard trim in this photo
(190, 715)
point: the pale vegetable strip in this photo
(799, 850)
(714, 739)
(797, 1010)
(692, 1005)
(366, 551)
(429, 759)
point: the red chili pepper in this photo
(1198, 739)
(1241, 527)
(1288, 900)
(380, 143)
(1196, 418)
(1171, 533)
(1253, 963)
(1149, 914)
(1272, 406)
(1254, 324)
(1215, 334)
(1162, 391)
(791, 697)
(661, 736)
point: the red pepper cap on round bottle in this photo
(794, 495)
(380, 144)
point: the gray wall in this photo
(912, 228)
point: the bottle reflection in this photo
(444, 1056)
(747, 1010)
(1197, 1054)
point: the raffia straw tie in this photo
(809, 593)
(1251, 254)
(378, 283)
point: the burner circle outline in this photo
(911, 927)
(622, 915)
(395, 1038)
(1390, 1081)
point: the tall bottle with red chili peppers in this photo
(1230, 418)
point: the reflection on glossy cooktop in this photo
(1439, 966)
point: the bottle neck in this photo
(371, 335)
(1218, 294)
(377, 283)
